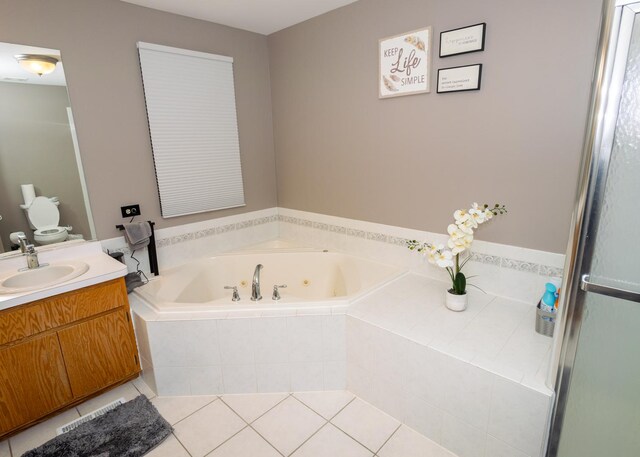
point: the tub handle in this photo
(276, 292)
(236, 295)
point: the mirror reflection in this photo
(42, 191)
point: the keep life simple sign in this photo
(405, 64)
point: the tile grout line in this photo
(10, 450)
(247, 422)
(228, 439)
(290, 395)
(265, 439)
(327, 421)
(306, 406)
(181, 444)
(354, 439)
(312, 435)
(243, 428)
(191, 414)
(361, 444)
(387, 440)
(253, 421)
(342, 409)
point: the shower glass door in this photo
(601, 405)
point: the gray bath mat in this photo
(130, 430)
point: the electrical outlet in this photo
(130, 210)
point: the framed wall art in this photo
(459, 79)
(405, 64)
(463, 40)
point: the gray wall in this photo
(410, 161)
(36, 148)
(97, 39)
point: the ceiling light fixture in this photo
(38, 64)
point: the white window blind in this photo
(191, 108)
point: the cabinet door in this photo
(33, 381)
(99, 352)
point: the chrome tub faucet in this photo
(255, 284)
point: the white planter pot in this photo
(456, 302)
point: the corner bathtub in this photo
(194, 340)
(313, 279)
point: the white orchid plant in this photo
(460, 239)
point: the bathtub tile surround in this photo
(183, 243)
(503, 270)
(242, 355)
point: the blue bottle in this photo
(549, 298)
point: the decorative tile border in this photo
(356, 233)
(212, 231)
(320, 226)
(518, 265)
(397, 241)
(381, 237)
(546, 270)
(488, 259)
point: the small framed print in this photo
(459, 79)
(405, 64)
(463, 40)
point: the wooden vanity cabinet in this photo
(62, 350)
(33, 381)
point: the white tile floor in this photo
(302, 424)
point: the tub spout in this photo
(255, 284)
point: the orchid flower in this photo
(460, 239)
(456, 232)
(460, 215)
(432, 254)
(444, 258)
(460, 244)
(477, 214)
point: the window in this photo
(191, 108)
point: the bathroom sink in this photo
(38, 278)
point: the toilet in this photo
(44, 217)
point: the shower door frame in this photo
(615, 37)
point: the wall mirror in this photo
(42, 185)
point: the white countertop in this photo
(102, 268)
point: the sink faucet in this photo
(29, 250)
(255, 284)
(23, 242)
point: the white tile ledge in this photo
(365, 310)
